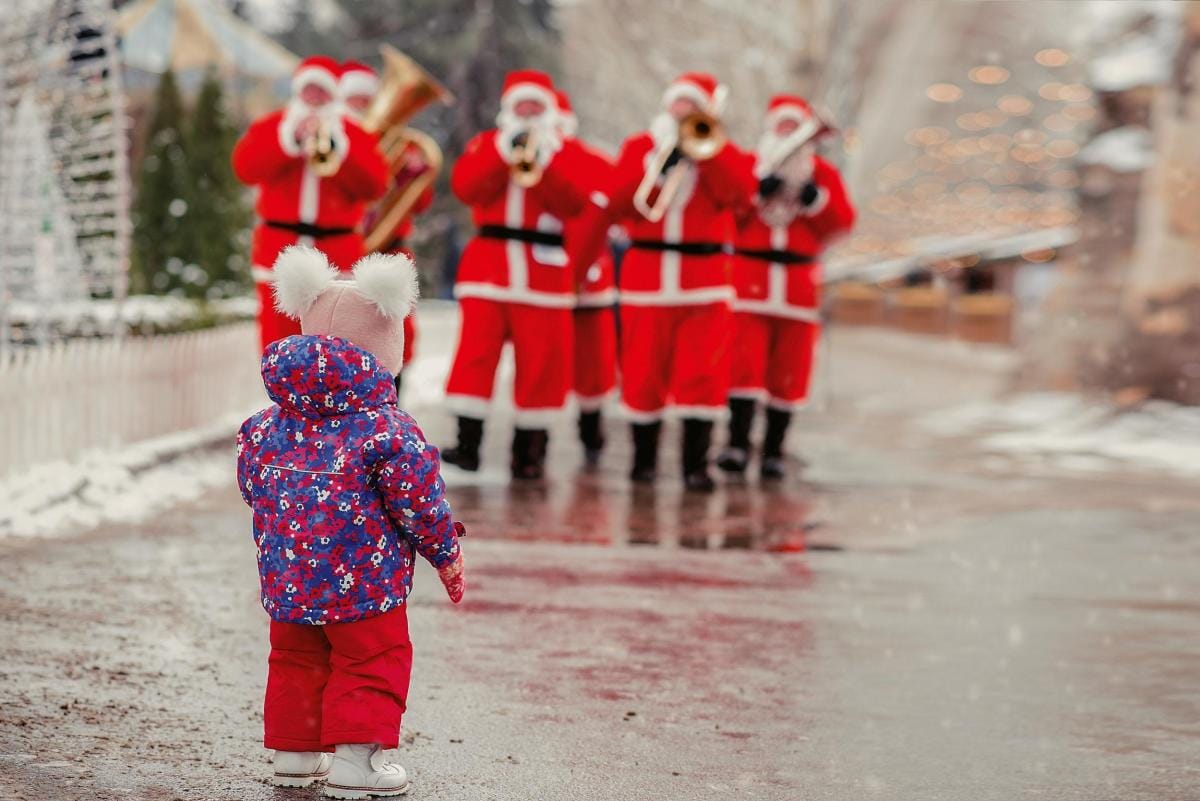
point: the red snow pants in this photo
(337, 684)
(595, 356)
(773, 357)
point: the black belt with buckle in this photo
(307, 229)
(521, 235)
(780, 256)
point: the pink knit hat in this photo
(367, 307)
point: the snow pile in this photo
(137, 312)
(127, 485)
(1079, 432)
(1138, 41)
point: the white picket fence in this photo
(60, 400)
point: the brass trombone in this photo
(700, 137)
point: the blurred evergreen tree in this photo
(217, 216)
(160, 240)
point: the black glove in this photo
(809, 194)
(673, 159)
(769, 185)
(520, 139)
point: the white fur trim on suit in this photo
(638, 416)
(532, 297)
(538, 418)
(783, 405)
(528, 91)
(596, 300)
(749, 393)
(686, 90)
(809, 314)
(358, 82)
(314, 75)
(301, 275)
(388, 280)
(593, 403)
(468, 405)
(678, 297)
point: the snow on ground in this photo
(126, 485)
(1079, 434)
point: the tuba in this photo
(405, 89)
(701, 136)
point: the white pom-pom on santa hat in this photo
(389, 281)
(301, 274)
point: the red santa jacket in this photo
(701, 214)
(587, 233)
(267, 156)
(508, 269)
(790, 289)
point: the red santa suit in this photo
(296, 205)
(360, 81)
(777, 274)
(513, 280)
(675, 292)
(592, 266)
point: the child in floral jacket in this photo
(345, 491)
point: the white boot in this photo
(359, 772)
(300, 768)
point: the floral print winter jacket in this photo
(342, 484)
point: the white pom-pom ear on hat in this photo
(301, 275)
(389, 281)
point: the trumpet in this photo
(524, 167)
(814, 128)
(322, 158)
(700, 137)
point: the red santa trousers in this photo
(675, 355)
(595, 356)
(336, 684)
(542, 349)
(773, 359)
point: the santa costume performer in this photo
(595, 378)
(513, 280)
(357, 87)
(296, 203)
(801, 205)
(345, 493)
(675, 294)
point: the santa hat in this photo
(701, 88)
(787, 107)
(322, 71)
(528, 85)
(566, 115)
(357, 79)
(368, 309)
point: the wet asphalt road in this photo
(901, 621)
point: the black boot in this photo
(697, 437)
(645, 451)
(529, 453)
(772, 456)
(736, 454)
(465, 455)
(591, 434)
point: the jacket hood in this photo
(325, 376)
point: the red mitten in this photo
(452, 579)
